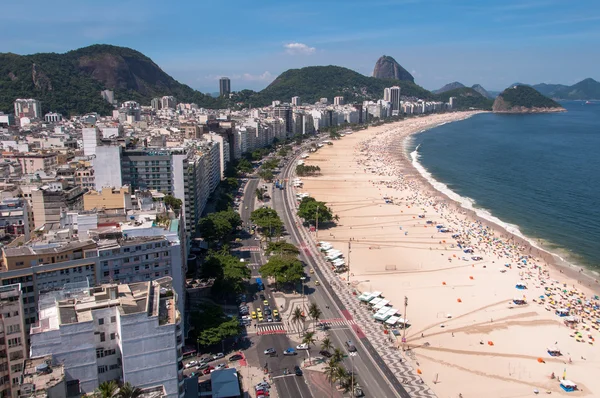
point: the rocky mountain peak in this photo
(386, 67)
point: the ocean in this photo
(536, 175)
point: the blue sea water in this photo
(538, 174)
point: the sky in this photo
(493, 43)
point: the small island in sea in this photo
(524, 99)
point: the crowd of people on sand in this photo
(386, 162)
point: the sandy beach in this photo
(469, 331)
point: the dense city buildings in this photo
(129, 332)
(95, 252)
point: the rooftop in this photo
(40, 374)
(62, 308)
(47, 248)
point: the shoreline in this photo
(389, 211)
(575, 271)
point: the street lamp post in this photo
(352, 355)
(303, 278)
(404, 327)
(317, 224)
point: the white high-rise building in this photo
(395, 100)
(338, 100)
(91, 136)
(296, 101)
(128, 332)
(168, 101)
(30, 108)
(387, 95)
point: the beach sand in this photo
(457, 306)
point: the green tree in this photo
(270, 164)
(215, 335)
(315, 313)
(129, 391)
(331, 373)
(298, 317)
(229, 271)
(173, 203)
(268, 221)
(326, 344)
(282, 248)
(309, 209)
(219, 226)
(244, 166)
(266, 175)
(308, 338)
(107, 389)
(283, 268)
(260, 193)
(338, 355)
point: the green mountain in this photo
(524, 99)
(466, 98)
(314, 82)
(587, 89)
(70, 83)
(448, 87)
(479, 88)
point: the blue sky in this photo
(494, 43)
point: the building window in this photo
(100, 321)
(18, 367)
(99, 352)
(112, 336)
(102, 337)
(106, 273)
(113, 319)
(102, 369)
(16, 342)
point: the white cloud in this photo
(298, 48)
(266, 76)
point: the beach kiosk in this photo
(568, 385)
(364, 296)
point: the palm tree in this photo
(315, 313)
(326, 344)
(348, 382)
(331, 373)
(298, 317)
(338, 355)
(341, 375)
(107, 389)
(129, 391)
(308, 338)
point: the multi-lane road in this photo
(373, 375)
(288, 385)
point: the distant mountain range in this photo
(587, 89)
(71, 83)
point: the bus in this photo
(259, 284)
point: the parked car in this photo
(269, 318)
(236, 357)
(297, 370)
(262, 385)
(220, 366)
(290, 351)
(270, 351)
(218, 356)
(302, 346)
(202, 366)
(325, 353)
(208, 370)
(190, 364)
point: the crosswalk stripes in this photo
(271, 329)
(337, 322)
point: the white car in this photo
(190, 364)
(302, 346)
(218, 356)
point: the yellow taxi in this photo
(259, 311)
(260, 318)
(253, 315)
(312, 271)
(266, 302)
(275, 313)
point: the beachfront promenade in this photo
(482, 306)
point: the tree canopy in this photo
(283, 268)
(228, 270)
(308, 208)
(268, 221)
(282, 248)
(219, 226)
(304, 170)
(212, 326)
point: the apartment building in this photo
(30, 108)
(44, 378)
(32, 162)
(128, 332)
(108, 198)
(15, 218)
(48, 201)
(13, 343)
